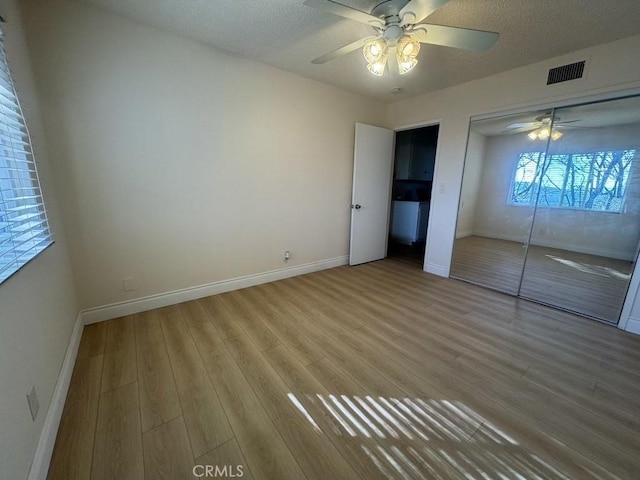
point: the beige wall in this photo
(38, 305)
(180, 165)
(612, 70)
(470, 193)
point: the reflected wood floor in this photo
(489, 261)
(587, 284)
(375, 371)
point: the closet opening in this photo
(414, 166)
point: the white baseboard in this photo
(464, 233)
(498, 236)
(437, 270)
(633, 325)
(44, 450)
(115, 310)
(600, 252)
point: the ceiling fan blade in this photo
(417, 10)
(566, 122)
(523, 125)
(344, 11)
(510, 131)
(456, 37)
(341, 51)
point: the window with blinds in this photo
(585, 181)
(24, 229)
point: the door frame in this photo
(415, 126)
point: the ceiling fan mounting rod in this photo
(388, 8)
(389, 12)
(392, 31)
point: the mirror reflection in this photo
(492, 234)
(550, 206)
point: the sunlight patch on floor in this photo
(591, 269)
(423, 438)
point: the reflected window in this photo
(585, 181)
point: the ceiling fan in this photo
(539, 129)
(397, 27)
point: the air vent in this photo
(565, 73)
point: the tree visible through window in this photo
(588, 181)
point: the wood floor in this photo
(412, 254)
(368, 372)
(587, 284)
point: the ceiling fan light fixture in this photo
(407, 47)
(375, 50)
(406, 64)
(406, 53)
(377, 68)
(398, 26)
(556, 135)
(544, 133)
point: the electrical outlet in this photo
(287, 255)
(127, 284)
(443, 187)
(32, 399)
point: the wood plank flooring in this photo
(587, 284)
(489, 261)
(369, 372)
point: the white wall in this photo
(612, 68)
(38, 305)
(470, 194)
(181, 165)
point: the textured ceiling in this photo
(288, 35)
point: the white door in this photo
(372, 170)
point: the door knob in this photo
(357, 206)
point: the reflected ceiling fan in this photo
(398, 31)
(540, 128)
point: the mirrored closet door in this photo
(568, 177)
(491, 236)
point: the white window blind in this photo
(24, 229)
(584, 181)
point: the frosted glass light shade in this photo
(544, 133)
(375, 49)
(377, 68)
(406, 53)
(406, 64)
(407, 47)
